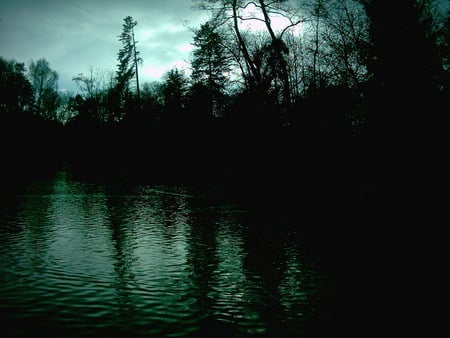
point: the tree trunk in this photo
(248, 60)
(277, 45)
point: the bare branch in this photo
(250, 19)
(290, 26)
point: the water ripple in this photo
(79, 258)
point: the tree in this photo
(153, 100)
(16, 93)
(174, 92)
(90, 85)
(67, 108)
(94, 89)
(345, 35)
(318, 11)
(405, 117)
(210, 65)
(128, 58)
(235, 12)
(44, 81)
(278, 46)
(403, 64)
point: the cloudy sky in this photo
(74, 35)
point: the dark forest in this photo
(346, 103)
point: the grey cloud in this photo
(74, 35)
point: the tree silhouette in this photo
(16, 93)
(404, 64)
(233, 13)
(44, 81)
(210, 65)
(128, 58)
(174, 91)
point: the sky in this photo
(76, 35)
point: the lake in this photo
(86, 254)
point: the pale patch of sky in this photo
(254, 20)
(76, 35)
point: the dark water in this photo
(102, 256)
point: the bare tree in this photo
(91, 84)
(236, 12)
(44, 81)
(344, 36)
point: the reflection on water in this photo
(80, 257)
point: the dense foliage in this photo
(338, 78)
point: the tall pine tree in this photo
(128, 58)
(210, 65)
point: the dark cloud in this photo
(74, 35)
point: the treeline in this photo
(340, 82)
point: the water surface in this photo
(102, 256)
